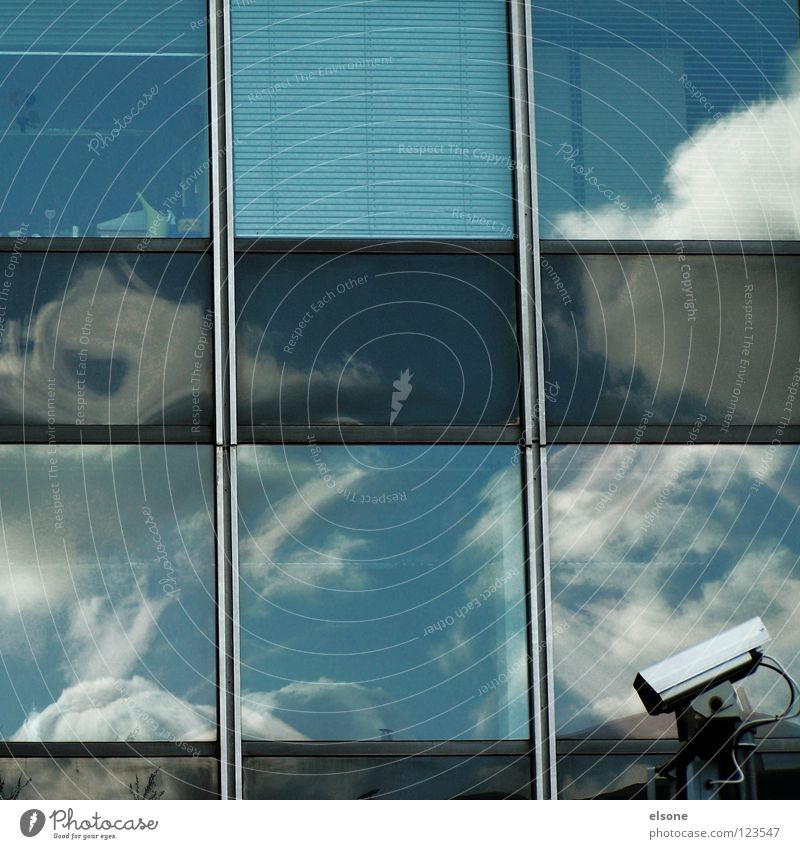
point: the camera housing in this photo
(734, 654)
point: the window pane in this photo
(605, 776)
(104, 129)
(655, 548)
(383, 593)
(105, 339)
(366, 339)
(382, 778)
(778, 775)
(107, 615)
(666, 119)
(625, 777)
(379, 118)
(110, 778)
(672, 340)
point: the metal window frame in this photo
(100, 245)
(344, 246)
(380, 434)
(534, 436)
(225, 435)
(675, 434)
(663, 247)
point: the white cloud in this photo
(109, 709)
(319, 710)
(736, 178)
(110, 640)
(626, 597)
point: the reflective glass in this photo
(605, 776)
(109, 778)
(104, 120)
(117, 338)
(672, 339)
(625, 776)
(382, 593)
(667, 119)
(778, 775)
(387, 118)
(107, 613)
(371, 339)
(655, 548)
(384, 778)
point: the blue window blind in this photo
(118, 26)
(380, 118)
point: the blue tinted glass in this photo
(667, 118)
(104, 118)
(383, 593)
(655, 548)
(372, 118)
(107, 615)
(372, 339)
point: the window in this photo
(372, 118)
(674, 340)
(655, 548)
(376, 339)
(106, 338)
(104, 128)
(107, 616)
(382, 593)
(666, 119)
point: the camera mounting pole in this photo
(708, 728)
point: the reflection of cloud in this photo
(737, 177)
(113, 709)
(125, 316)
(632, 593)
(634, 332)
(317, 710)
(110, 640)
(83, 604)
(282, 535)
(332, 387)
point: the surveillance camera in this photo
(732, 655)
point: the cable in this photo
(778, 667)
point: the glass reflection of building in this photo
(329, 470)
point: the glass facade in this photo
(378, 395)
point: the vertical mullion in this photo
(225, 394)
(533, 395)
(546, 599)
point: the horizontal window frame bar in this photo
(97, 244)
(709, 434)
(379, 434)
(687, 247)
(106, 434)
(386, 748)
(566, 747)
(373, 246)
(155, 749)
